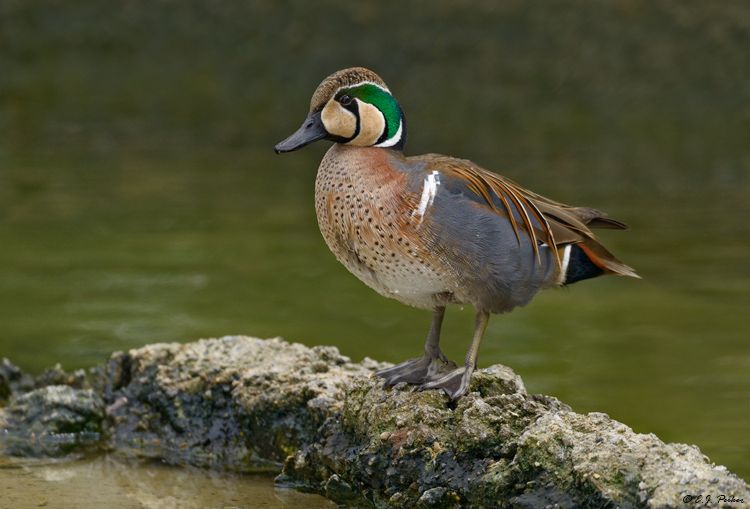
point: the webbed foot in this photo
(416, 371)
(455, 384)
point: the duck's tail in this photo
(588, 258)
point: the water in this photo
(123, 484)
(140, 200)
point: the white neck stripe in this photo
(393, 140)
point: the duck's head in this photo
(354, 107)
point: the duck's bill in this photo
(311, 130)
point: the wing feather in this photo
(554, 223)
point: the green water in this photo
(120, 484)
(140, 200)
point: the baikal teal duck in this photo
(432, 230)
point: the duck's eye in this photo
(345, 100)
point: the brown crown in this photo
(342, 78)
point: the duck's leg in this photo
(425, 368)
(456, 383)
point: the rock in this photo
(245, 404)
(12, 380)
(232, 403)
(52, 421)
(337, 489)
(57, 376)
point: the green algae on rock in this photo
(244, 404)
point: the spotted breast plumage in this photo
(432, 230)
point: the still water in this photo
(120, 484)
(140, 200)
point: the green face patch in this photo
(382, 100)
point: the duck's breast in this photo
(367, 208)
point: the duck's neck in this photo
(398, 139)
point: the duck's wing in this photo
(544, 220)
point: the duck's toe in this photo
(455, 383)
(415, 371)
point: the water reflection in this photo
(120, 484)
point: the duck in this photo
(432, 230)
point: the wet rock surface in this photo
(246, 405)
(52, 421)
